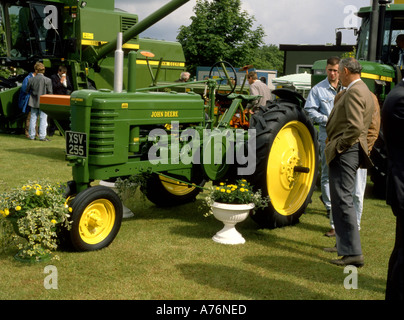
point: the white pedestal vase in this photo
(127, 213)
(230, 215)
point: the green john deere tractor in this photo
(376, 50)
(132, 128)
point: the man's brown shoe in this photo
(330, 233)
(356, 261)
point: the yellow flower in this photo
(242, 189)
(222, 183)
(38, 192)
(243, 180)
(70, 209)
(53, 221)
(6, 212)
(222, 190)
(17, 208)
(217, 188)
(228, 191)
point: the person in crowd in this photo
(361, 174)
(319, 104)
(347, 150)
(184, 77)
(397, 53)
(61, 82)
(393, 130)
(60, 85)
(258, 88)
(23, 101)
(37, 86)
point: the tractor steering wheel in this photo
(224, 70)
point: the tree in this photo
(220, 30)
(268, 57)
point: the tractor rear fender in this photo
(291, 96)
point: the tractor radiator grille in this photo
(102, 132)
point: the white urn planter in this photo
(230, 215)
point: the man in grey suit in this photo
(346, 151)
(38, 86)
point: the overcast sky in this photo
(284, 21)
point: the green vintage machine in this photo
(377, 52)
(180, 141)
(129, 126)
(80, 35)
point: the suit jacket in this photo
(58, 87)
(349, 123)
(374, 128)
(393, 132)
(39, 85)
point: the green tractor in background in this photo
(376, 50)
(82, 36)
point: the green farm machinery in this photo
(179, 137)
(377, 52)
(79, 35)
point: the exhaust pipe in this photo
(118, 66)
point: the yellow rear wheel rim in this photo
(175, 187)
(97, 221)
(292, 146)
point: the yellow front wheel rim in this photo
(175, 187)
(292, 147)
(97, 221)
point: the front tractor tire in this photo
(286, 162)
(96, 218)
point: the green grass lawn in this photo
(169, 254)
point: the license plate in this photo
(76, 144)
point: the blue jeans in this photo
(43, 123)
(325, 185)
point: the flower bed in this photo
(37, 211)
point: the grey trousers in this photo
(342, 172)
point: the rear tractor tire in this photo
(166, 192)
(286, 162)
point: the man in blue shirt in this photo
(318, 105)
